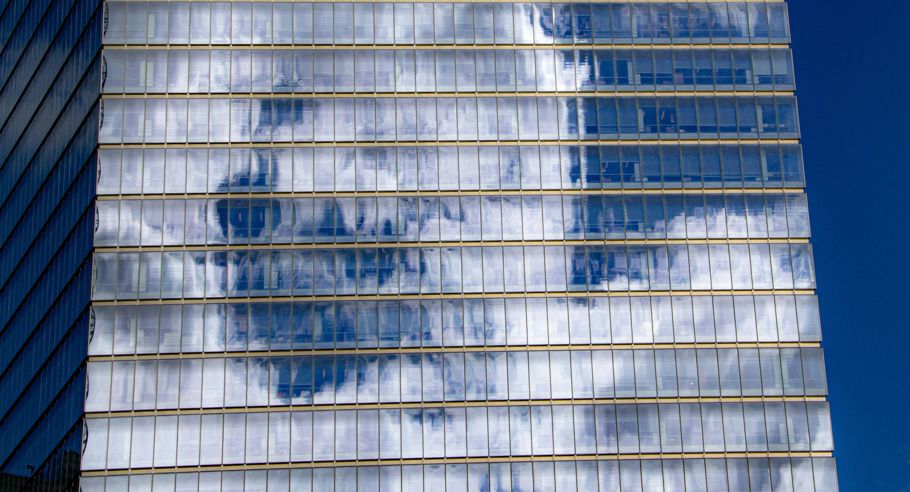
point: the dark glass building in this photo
(50, 74)
(372, 246)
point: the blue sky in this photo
(853, 68)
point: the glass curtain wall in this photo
(50, 67)
(452, 246)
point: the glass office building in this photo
(480, 246)
(50, 72)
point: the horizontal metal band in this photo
(457, 404)
(446, 461)
(435, 193)
(461, 143)
(443, 244)
(374, 95)
(454, 349)
(671, 45)
(490, 295)
(494, 1)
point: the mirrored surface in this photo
(140, 22)
(333, 236)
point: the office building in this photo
(449, 246)
(50, 75)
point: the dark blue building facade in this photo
(50, 71)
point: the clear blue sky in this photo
(853, 71)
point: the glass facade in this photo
(50, 66)
(479, 246)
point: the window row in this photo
(544, 430)
(666, 475)
(444, 23)
(244, 170)
(326, 71)
(448, 218)
(368, 271)
(452, 377)
(382, 119)
(214, 327)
